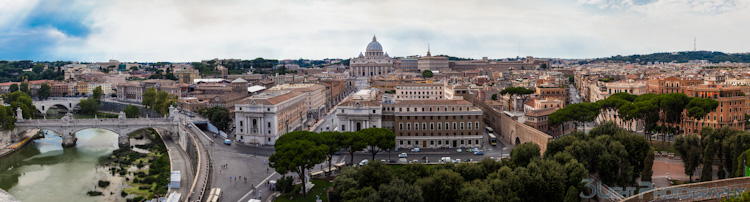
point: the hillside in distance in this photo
(677, 57)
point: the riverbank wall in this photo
(10, 146)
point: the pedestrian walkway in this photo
(10, 147)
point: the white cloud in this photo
(191, 30)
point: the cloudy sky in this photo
(191, 30)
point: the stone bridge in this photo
(67, 102)
(68, 126)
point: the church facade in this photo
(373, 63)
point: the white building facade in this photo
(263, 118)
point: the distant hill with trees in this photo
(678, 57)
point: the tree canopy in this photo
(44, 91)
(616, 155)
(427, 74)
(23, 100)
(378, 139)
(132, 111)
(295, 152)
(218, 116)
(488, 180)
(517, 91)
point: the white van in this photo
(445, 160)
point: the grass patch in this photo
(318, 189)
(666, 146)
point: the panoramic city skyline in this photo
(194, 30)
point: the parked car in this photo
(227, 141)
(415, 150)
(459, 150)
(383, 161)
(457, 161)
(402, 155)
(403, 160)
(363, 162)
(480, 152)
(445, 159)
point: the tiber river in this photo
(45, 171)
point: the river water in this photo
(45, 171)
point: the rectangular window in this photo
(400, 126)
(468, 125)
(408, 126)
(476, 125)
(432, 126)
(424, 126)
(454, 125)
(462, 125)
(440, 126)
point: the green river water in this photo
(45, 171)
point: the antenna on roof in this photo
(695, 48)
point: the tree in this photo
(149, 98)
(285, 184)
(474, 193)
(332, 140)
(7, 121)
(648, 167)
(88, 106)
(25, 88)
(400, 191)
(378, 139)
(219, 117)
(427, 74)
(98, 94)
(523, 153)
(353, 142)
(374, 174)
(132, 111)
(22, 100)
(494, 96)
(13, 87)
(38, 68)
(443, 185)
(294, 153)
(44, 91)
(690, 151)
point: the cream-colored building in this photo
(315, 97)
(737, 82)
(187, 75)
(263, 118)
(420, 91)
(432, 63)
(106, 88)
(362, 110)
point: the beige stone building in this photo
(315, 97)
(263, 118)
(420, 91)
(362, 110)
(432, 63)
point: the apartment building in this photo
(436, 123)
(731, 111)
